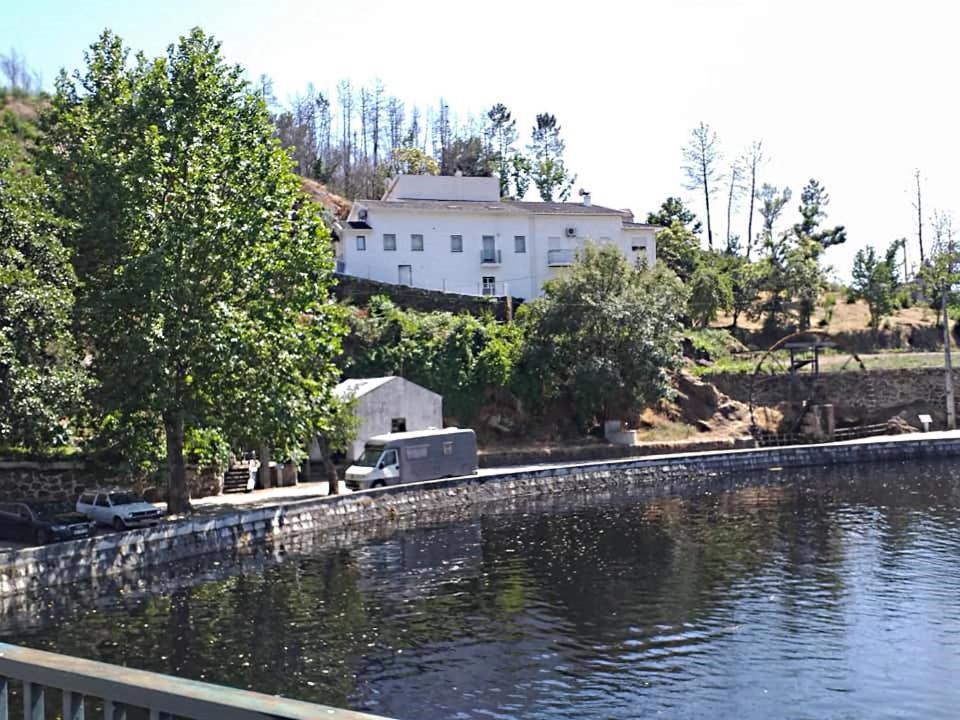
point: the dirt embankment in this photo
(697, 418)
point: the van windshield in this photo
(371, 454)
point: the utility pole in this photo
(948, 365)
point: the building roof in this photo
(414, 434)
(357, 387)
(500, 208)
(503, 207)
(641, 226)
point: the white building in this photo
(387, 404)
(455, 234)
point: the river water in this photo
(812, 595)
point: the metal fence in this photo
(126, 694)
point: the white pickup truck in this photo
(120, 508)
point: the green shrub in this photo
(206, 448)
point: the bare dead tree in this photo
(17, 74)
(345, 98)
(736, 190)
(753, 161)
(919, 207)
(702, 157)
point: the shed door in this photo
(406, 274)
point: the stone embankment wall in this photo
(66, 479)
(360, 290)
(97, 559)
(872, 396)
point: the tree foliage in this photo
(874, 281)
(674, 209)
(678, 249)
(204, 272)
(711, 291)
(549, 173)
(503, 134)
(604, 336)
(41, 379)
(457, 356)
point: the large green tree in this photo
(40, 372)
(673, 209)
(874, 280)
(604, 335)
(548, 170)
(711, 290)
(502, 133)
(204, 271)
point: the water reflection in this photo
(811, 594)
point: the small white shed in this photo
(387, 404)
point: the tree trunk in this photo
(706, 197)
(178, 495)
(264, 466)
(329, 469)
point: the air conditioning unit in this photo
(362, 214)
(570, 232)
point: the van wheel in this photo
(378, 483)
(119, 525)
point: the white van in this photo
(408, 457)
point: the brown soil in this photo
(330, 201)
(697, 415)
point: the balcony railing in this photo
(120, 688)
(561, 258)
(490, 257)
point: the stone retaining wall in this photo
(66, 479)
(871, 396)
(98, 558)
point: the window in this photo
(417, 452)
(102, 501)
(398, 425)
(456, 243)
(416, 243)
(389, 242)
(448, 447)
(489, 285)
(361, 242)
(389, 459)
(519, 243)
(87, 499)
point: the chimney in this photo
(585, 194)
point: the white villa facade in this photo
(455, 234)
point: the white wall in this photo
(399, 398)
(437, 268)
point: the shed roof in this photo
(357, 387)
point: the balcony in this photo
(561, 258)
(490, 257)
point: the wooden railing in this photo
(159, 697)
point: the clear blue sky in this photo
(853, 93)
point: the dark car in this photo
(43, 522)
